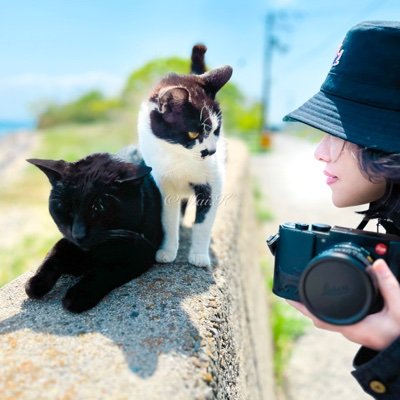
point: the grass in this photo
(26, 254)
(287, 326)
(262, 213)
(286, 323)
(70, 143)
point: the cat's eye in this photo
(193, 135)
(97, 208)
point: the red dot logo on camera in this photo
(381, 249)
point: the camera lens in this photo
(336, 286)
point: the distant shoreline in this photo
(12, 127)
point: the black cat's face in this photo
(95, 197)
(185, 111)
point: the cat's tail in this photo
(198, 65)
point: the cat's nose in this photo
(211, 152)
(206, 152)
(78, 231)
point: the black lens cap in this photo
(337, 289)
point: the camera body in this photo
(327, 269)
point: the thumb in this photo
(387, 282)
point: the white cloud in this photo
(109, 83)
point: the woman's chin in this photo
(341, 202)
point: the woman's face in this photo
(349, 186)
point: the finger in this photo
(387, 283)
(317, 322)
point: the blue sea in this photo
(8, 127)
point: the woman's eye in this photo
(193, 135)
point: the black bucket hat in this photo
(360, 98)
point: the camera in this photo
(327, 269)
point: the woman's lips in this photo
(330, 178)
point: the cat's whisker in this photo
(113, 197)
(208, 118)
(201, 111)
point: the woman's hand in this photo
(376, 331)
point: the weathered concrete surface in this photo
(177, 332)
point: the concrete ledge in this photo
(177, 332)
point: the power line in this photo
(327, 41)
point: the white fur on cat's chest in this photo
(175, 169)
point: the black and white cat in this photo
(109, 212)
(181, 138)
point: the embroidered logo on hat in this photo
(338, 56)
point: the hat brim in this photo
(358, 123)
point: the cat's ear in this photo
(135, 176)
(53, 169)
(171, 98)
(216, 78)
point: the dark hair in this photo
(375, 165)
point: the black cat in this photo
(109, 212)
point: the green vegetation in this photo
(241, 116)
(90, 107)
(287, 326)
(141, 81)
(74, 141)
(286, 323)
(19, 260)
(262, 213)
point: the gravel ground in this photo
(294, 190)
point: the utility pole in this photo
(272, 44)
(269, 44)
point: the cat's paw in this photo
(165, 256)
(78, 300)
(200, 259)
(37, 287)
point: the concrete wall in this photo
(177, 332)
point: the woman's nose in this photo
(321, 152)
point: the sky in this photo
(57, 50)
